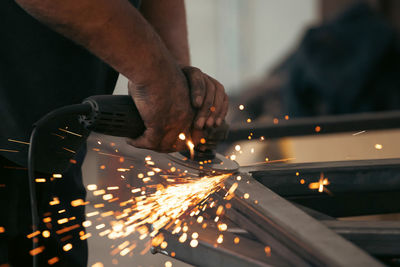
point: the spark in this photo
(69, 150)
(67, 247)
(237, 148)
(236, 240)
(378, 146)
(8, 150)
(53, 260)
(16, 141)
(354, 134)
(267, 250)
(241, 107)
(220, 239)
(195, 235)
(191, 149)
(46, 234)
(167, 204)
(182, 136)
(66, 131)
(320, 184)
(194, 243)
(222, 227)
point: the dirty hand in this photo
(165, 108)
(208, 97)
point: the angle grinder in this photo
(114, 115)
(117, 115)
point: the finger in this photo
(224, 111)
(218, 103)
(196, 84)
(207, 106)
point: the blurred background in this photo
(237, 41)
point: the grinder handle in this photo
(114, 115)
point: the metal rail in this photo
(307, 126)
(313, 242)
(355, 187)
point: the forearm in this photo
(168, 17)
(112, 30)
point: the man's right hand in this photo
(172, 108)
(166, 111)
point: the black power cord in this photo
(78, 109)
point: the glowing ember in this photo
(191, 149)
(267, 250)
(222, 227)
(195, 235)
(182, 136)
(194, 243)
(46, 234)
(67, 247)
(220, 239)
(378, 146)
(164, 206)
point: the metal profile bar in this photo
(344, 176)
(379, 238)
(313, 241)
(209, 254)
(326, 124)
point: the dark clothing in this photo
(40, 70)
(16, 216)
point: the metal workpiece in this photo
(379, 238)
(227, 254)
(324, 124)
(309, 239)
(355, 187)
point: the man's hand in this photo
(166, 112)
(208, 97)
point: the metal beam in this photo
(379, 238)
(355, 187)
(311, 240)
(326, 124)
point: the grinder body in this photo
(114, 115)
